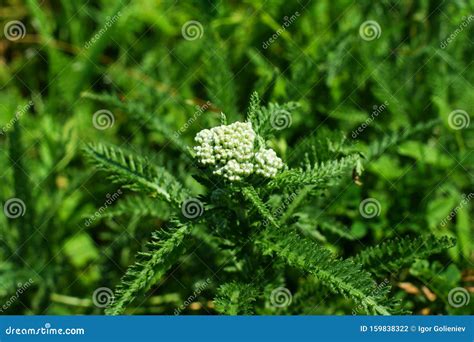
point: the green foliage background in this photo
(154, 79)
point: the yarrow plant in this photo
(260, 223)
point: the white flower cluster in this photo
(230, 149)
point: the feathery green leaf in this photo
(164, 250)
(136, 173)
(392, 255)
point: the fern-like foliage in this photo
(136, 173)
(321, 226)
(163, 251)
(267, 119)
(341, 276)
(139, 206)
(236, 298)
(324, 145)
(320, 175)
(251, 194)
(277, 223)
(392, 255)
(108, 99)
